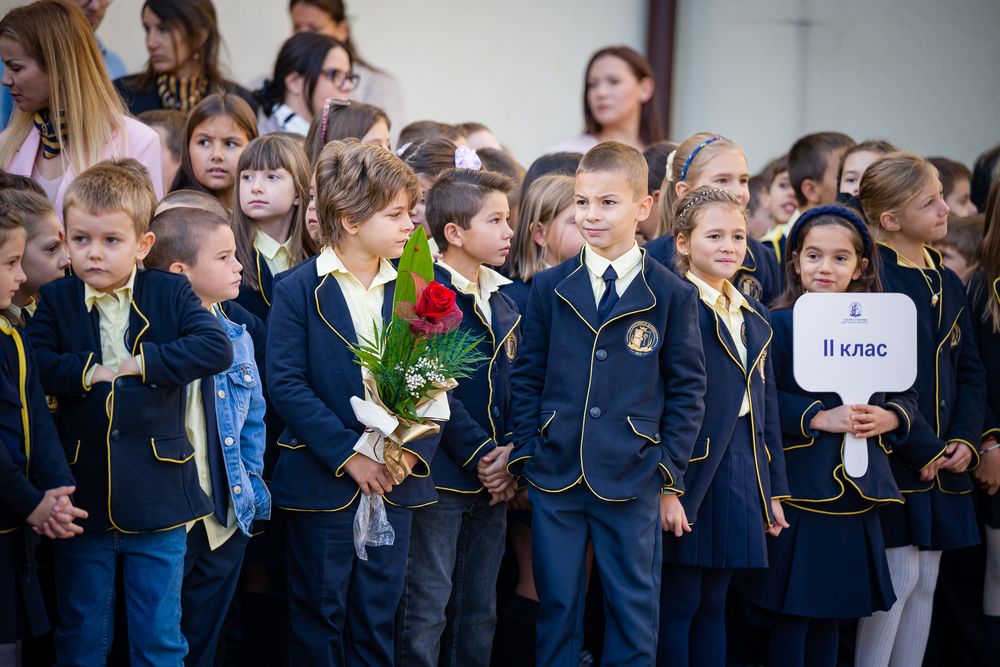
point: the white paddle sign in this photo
(854, 345)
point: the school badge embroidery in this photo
(956, 336)
(641, 338)
(743, 333)
(510, 347)
(750, 286)
(761, 364)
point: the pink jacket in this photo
(141, 143)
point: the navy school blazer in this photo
(39, 464)
(759, 276)
(517, 291)
(815, 459)
(980, 293)
(257, 302)
(312, 375)
(125, 440)
(607, 404)
(485, 395)
(728, 381)
(951, 381)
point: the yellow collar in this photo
(329, 261)
(268, 247)
(122, 294)
(489, 281)
(622, 265)
(715, 298)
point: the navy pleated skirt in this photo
(730, 528)
(932, 520)
(826, 566)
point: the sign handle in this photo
(855, 449)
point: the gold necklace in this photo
(935, 296)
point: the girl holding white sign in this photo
(736, 476)
(902, 197)
(830, 564)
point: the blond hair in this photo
(114, 185)
(56, 35)
(355, 181)
(689, 209)
(545, 199)
(892, 182)
(711, 144)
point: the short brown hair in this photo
(457, 196)
(18, 182)
(615, 157)
(341, 119)
(689, 209)
(430, 129)
(809, 157)
(173, 121)
(950, 172)
(114, 185)
(27, 206)
(180, 233)
(965, 235)
(11, 217)
(356, 181)
(191, 199)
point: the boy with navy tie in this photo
(606, 399)
(116, 348)
(448, 612)
(224, 419)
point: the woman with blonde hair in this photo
(68, 114)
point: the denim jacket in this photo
(239, 409)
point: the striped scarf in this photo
(50, 137)
(180, 94)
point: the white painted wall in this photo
(516, 66)
(921, 73)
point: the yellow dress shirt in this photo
(487, 282)
(627, 266)
(197, 432)
(114, 309)
(364, 303)
(29, 308)
(732, 317)
(277, 256)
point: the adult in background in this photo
(618, 102)
(68, 115)
(183, 40)
(310, 68)
(375, 86)
(94, 10)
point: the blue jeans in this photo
(153, 569)
(448, 612)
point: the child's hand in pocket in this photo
(672, 515)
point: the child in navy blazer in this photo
(224, 419)
(830, 563)
(342, 608)
(35, 481)
(448, 612)
(736, 476)
(606, 399)
(901, 195)
(116, 348)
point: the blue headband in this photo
(841, 212)
(687, 163)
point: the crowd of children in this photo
(632, 476)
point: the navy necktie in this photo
(610, 297)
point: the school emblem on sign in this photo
(750, 286)
(641, 338)
(510, 347)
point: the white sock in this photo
(877, 633)
(991, 592)
(915, 622)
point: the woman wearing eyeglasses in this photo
(182, 37)
(310, 68)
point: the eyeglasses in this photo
(341, 79)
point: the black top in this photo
(138, 99)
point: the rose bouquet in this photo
(408, 369)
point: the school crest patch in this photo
(641, 338)
(956, 336)
(743, 333)
(761, 364)
(510, 347)
(750, 286)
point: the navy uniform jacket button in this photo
(943, 403)
(595, 412)
(601, 355)
(496, 411)
(114, 434)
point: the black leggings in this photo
(797, 641)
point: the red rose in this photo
(435, 301)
